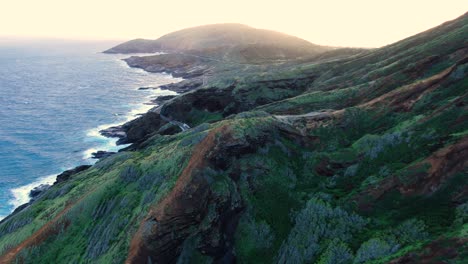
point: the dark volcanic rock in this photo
(146, 88)
(139, 129)
(102, 154)
(117, 132)
(64, 176)
(36, 191)
(183, 86)
(136, 130)
(161, 99)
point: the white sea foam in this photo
(110, 144)
(21, 194)
(101, 143)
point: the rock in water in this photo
(102, 154)
(116, 131)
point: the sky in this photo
(359, 23)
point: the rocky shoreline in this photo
(132, 131)
(38, 191)
(190, 68)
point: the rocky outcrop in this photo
(139, 129)
(136, 130)
(114, 132)
(38, 190)
(66, 175)
(192, 201)
(184, 86)
(162, 99)
(100, 154)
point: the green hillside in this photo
(359, 156)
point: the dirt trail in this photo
(50, 228)
(178, 208)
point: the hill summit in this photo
(227, 41)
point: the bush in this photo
(411, 231)
(375, 248)
(314, 227)
(336, 253)
(129, 174)
(373, 145)
(461, 214)
(261, 233)
(10, 225)
(149, 181)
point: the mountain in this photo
(227, 41)
(357, 156)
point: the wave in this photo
(110, 144)
(20, 195)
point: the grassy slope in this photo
(369, 184)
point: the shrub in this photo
(375, 248)
(351, 170)
(375, 145)
(149, 181)
(337, 252)
(261, 234)
(11, 225)
(129, 173)
(411, 231)
(461, 214)
(314, 226)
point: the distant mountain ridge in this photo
(227, 41)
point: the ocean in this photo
(55, 96)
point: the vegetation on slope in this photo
(363, 159)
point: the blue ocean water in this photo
(54, 98)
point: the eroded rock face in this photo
(194, 208)
(212, 100)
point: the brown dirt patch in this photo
(167, 225)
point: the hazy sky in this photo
(364, 23)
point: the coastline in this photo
(107, 144)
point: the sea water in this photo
(55, 96)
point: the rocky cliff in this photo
(357, 159)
